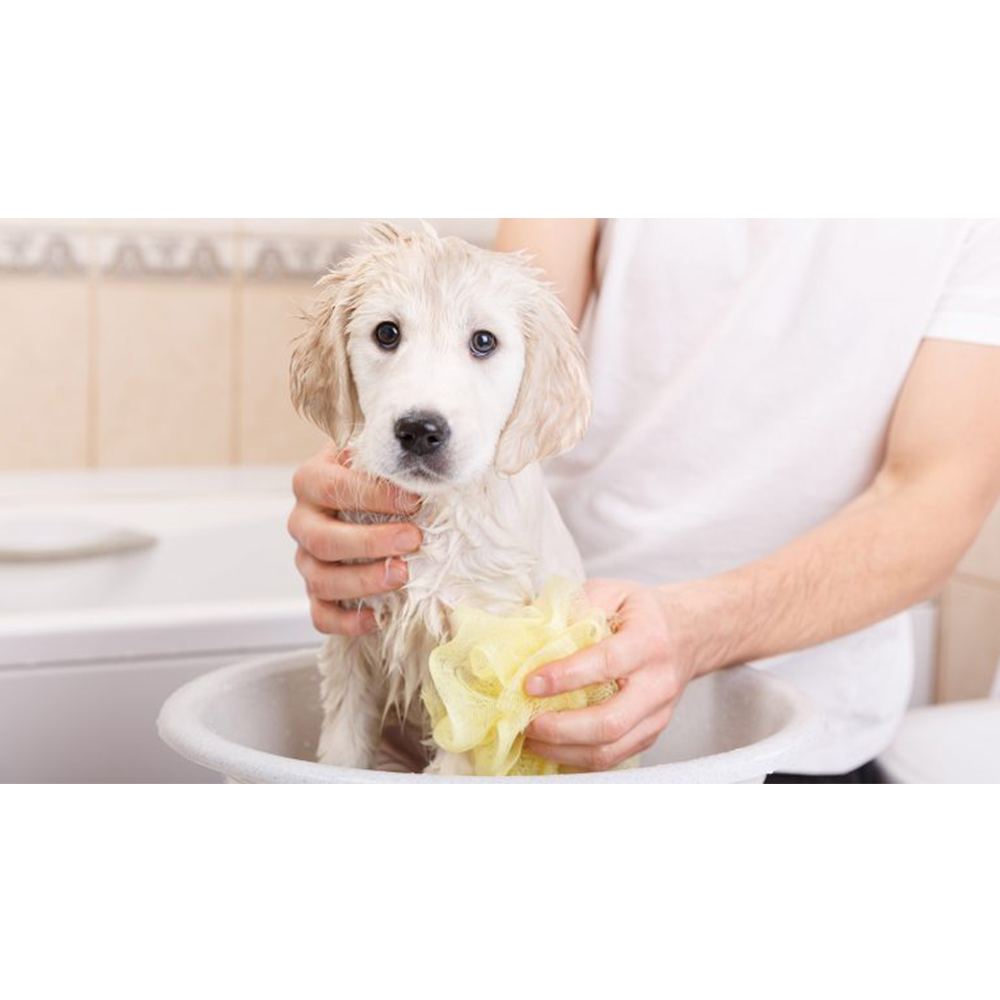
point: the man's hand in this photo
(646, 659)
(341, 561)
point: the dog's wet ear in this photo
(322, 387)
(553, 403)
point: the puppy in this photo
(450, 371)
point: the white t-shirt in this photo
(744, 374)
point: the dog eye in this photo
(482, 343)
(387, 336)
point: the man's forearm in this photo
(893, 546)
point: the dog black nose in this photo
(422, 433)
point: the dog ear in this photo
(322, 386)
(553, 402)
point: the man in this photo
(796, 435)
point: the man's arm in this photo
(563, 249)
(892, 546)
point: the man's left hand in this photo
(646, 659)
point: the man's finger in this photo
(332, 619)
(608, 660)
(600, 758)
(350, 581)
(605, 723)
(329, 540)
(329, 484)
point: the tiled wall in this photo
(159, 342)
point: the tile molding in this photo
(53, 254)
(177, 256)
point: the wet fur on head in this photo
(552, 405)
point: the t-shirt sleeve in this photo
(969, 307)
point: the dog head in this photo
(436, 361)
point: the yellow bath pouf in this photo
(476, 699)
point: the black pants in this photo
(867, 774)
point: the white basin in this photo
(259, 721)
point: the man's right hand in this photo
(328, 547)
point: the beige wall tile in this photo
(970, 639)
(43, 372)
(270, 431)
(164, 372)
(983, 558)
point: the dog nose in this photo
(422, 433)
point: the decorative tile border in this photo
(144, 254)
(37, 251)
(274, 258)
(165, 255)
(178, 256)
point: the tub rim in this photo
(181, 726)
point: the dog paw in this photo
(451, 765)
(343, 753)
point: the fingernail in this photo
(535, 686)
(368, 623)
(395, 572)
(407, 541)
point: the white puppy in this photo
(450, 371)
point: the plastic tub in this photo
(259, 722)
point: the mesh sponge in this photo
(476, 698)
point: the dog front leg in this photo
(349, 735)
(448, 764)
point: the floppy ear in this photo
(553, 403)
(321, 383)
